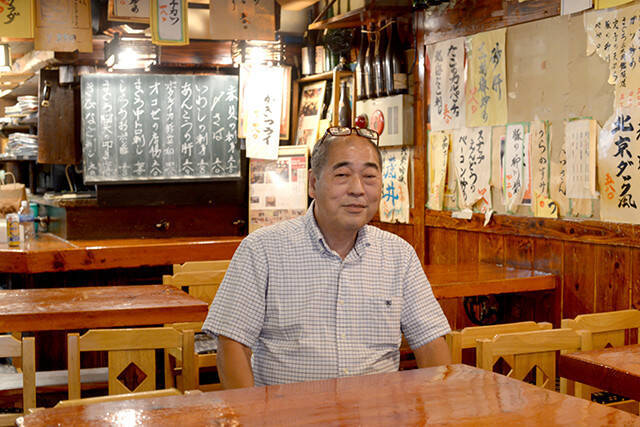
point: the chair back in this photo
(535, 350)
(466, 338)
(201, 278)
(131, 356)
(607, 329)
(25, 349)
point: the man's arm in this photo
(433, 353)
(234, 364)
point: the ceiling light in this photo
(129, 53)
(257, 52)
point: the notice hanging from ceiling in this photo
(438, 153)
(63, 26)
(486, 89)
(263, 110)
(396, 197)
(618, 172)
(169, 22)
(242, 20)
(17, 18)
(447, 80)
(471, 150)
(129, 10)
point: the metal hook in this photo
(46, 93)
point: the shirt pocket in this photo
(382, 321)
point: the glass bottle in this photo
(381, 46)
(361, 87)
(344, 110)
(369, 81)
(27, 221)
(308, 54)
(395, 71)
(320, 55)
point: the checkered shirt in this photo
(308, 315)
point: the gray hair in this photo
(320, 153)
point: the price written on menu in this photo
(159, 127)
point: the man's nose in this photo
(355, 185)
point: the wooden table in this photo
(50, 253)
(464, 280)
(455, 394)
(615, 369)
(96, 307)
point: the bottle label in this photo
(399, 81)
(13, 230)
(320, 59)
(26, 218)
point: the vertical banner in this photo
(242, 20)
(438, 154)
(580, 144)
(513, 177)
(447, 81)
(540, 158)
(395, 201)
(487, 80)
(63, 26)
(17, 18)
(263, 108)
(618, 172)
(169, 24)
(471, 149)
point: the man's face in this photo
(347, 191)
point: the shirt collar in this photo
(362, 238)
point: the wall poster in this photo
(278, 188)
(311, 99)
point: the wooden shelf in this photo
(329, 75)
(372, 11)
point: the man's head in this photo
(345, 181)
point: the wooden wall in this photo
(597, 263)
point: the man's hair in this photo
(320, 153)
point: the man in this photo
(326, 295)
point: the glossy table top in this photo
(463, 280)
(50, 253)
(615, 369)
(96, 307)
(455, 394)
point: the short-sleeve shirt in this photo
(307, 314)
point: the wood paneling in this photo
(491, 248)
(613, 278)
(518, 251)
(468, 247)
(441, 246)
(578, 279)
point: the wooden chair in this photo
(25, 349)
(530, 350)
(131, 357)
(608, 329)
(201, 280)
(466, 338)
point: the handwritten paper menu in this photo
(396, 199)
(132, 10)
(138, 127)
(438, 153)
(17, 18)
(618, 171)
(242, 20)
(513, 169)
(580, 145)
(263, 110)
(63, 26)
(471, 150)
(447, 79)
(486, 90)
(540, 157)
(169, 22)
(451, 195)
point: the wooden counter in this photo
(50, 253)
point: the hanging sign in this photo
(263, 108)
(63, 26)
(169, 22)
(17, 18)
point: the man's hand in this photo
(234, 364)
(433, 353)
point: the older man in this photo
(326, 295)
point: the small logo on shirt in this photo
(388, 302)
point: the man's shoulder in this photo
(276, 232)
(381, 237)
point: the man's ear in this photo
(312, 184)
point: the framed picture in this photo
(129, 11)
(310, 110)
(278, 188)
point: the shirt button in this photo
(340, 302)
(346, 371)
(344, 336)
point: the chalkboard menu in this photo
(151, 127)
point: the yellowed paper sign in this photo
(472, 158)
(605, 4)
(540, 157)
(447, 81)
(513, 178)
(580, 144)
(63, 26)
(486, 90)
(558, 184)
(451, 195)
(439, 142)
(544, 207)
(618, 172)
(395, 201)
(17, 18)
(497, 154)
